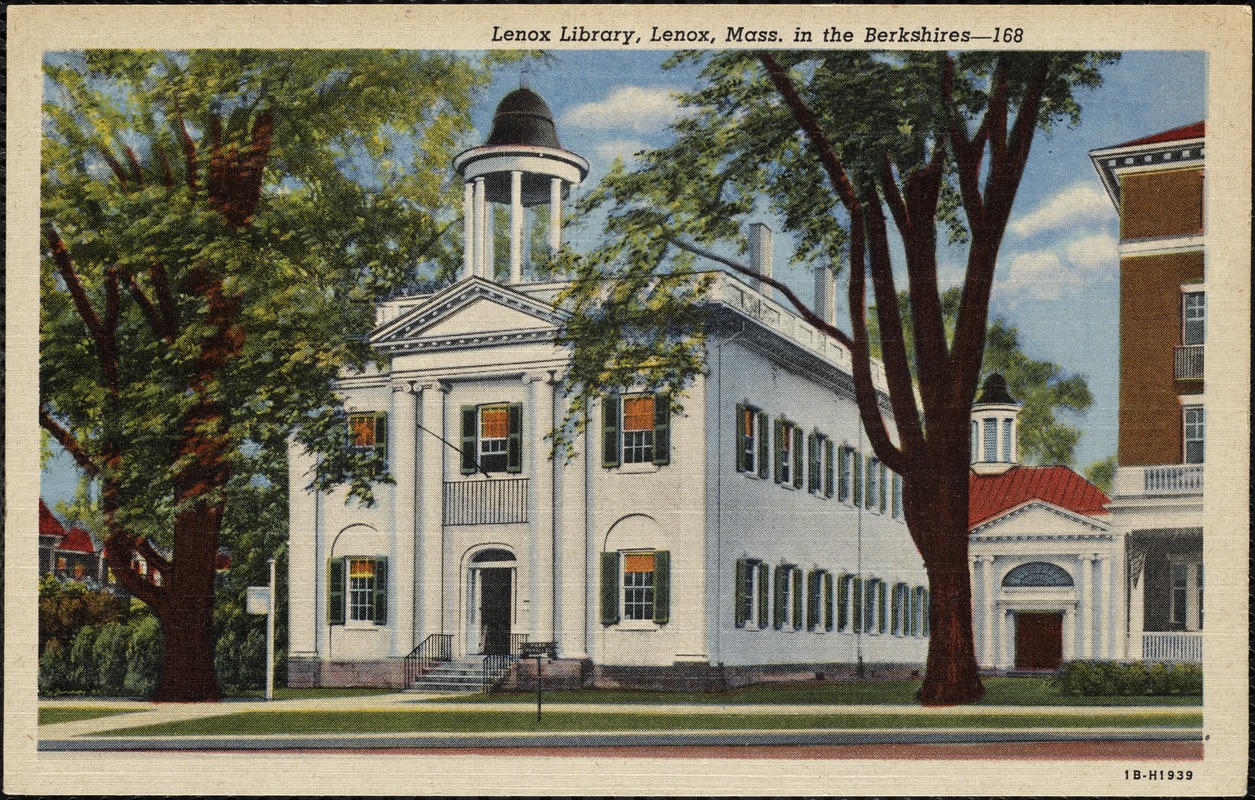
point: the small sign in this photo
(258, 600)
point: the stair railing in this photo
(494, 669)
(435, 648)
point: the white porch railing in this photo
(1177, 647)
(1169, 479)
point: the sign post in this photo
(539, 650)
(261, 600)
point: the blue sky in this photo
(1057, 278)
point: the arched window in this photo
(493, 554)
(1037, 573)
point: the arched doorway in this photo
(1038, 634)
(491, 607)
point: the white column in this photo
(1069, 633)
(1085, 606)
(402, 453)
(468, 229)
(1007, 641)
(489, 239)
(1137, 608)
(568, 557)
(516, 227)
(555, 215)
(429, 615)
(1191, 597)
(1104, 607)
(1119, 593)
(483, 250)
(538, 422)
(306, 604)
(987, 578)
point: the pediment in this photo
(471, 311)
(1039, 519)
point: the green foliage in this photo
(1115, 679)
(66, 608)
(1102, 473)
(143, 657)
(83, 667)
(55, 670)
(110, 656)
(116, 659)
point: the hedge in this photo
(1128, 679)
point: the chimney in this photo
(825, 294)
(760, 254)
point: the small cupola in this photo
(523, 167)
(995, 428)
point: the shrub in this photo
(65, 608)
(1115, 679)
(143, 657)
(110, 654)
(54, 669)
(83, 660)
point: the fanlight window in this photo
(1038, 573)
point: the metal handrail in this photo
(434, 649)
(495, 667)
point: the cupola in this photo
(995, 428)
(522, 165)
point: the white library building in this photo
(752, 536)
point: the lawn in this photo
(306, 694)
(999, 691)
(435, 721)
(53, 715)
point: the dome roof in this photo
(995, 392)
(524, 118)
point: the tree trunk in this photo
(188, 673)
(951, 675)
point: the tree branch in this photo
(893, 197)
(152, 555)
(189, 154)
(119, 546)
(68, 441)
(114, 167)
(151, 314)
(165, 299)
(805, 312)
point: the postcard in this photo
(805, 400)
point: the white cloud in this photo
(1095, 254)
(628, 108)
(1076, 206)
(1061, 272)
(620, 148)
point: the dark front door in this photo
(495, 610)
(1038, 641)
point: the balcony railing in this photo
(1189, 362)
(1173, 479)
(495, 501)
(1175, 647)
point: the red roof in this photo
(77, 540)
(992, 495)
(49, 525)
(1194, 131)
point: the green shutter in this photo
(843, 602)
(794, 584)
(335, 591)
(797, 458)
(514, 445)
(381, 435)
(882, 594)
(610, 588)
(662, 586)
(662, 429)
(884, 494)
(843, 476)
(763, 456)
(827, 601)
(381, 591)
(764, 573)
(829, 469)
(610, 431)
(856, 467)
(778, 587)
(856, 607)
(812, 458)
(741, 440)
(738, 603)
(778, 436)
(812, 600)
(470, 444)
(897, 495)
(926, 613)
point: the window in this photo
(827, 600)
(857, 605)
(751, 593)
(788, 597)
(873, 594)
(897, 496)
(1195, 423)
(882, 477)
(788, 453)
(882, 607)
(845, 472)
(1193, 318)
(991, 440)
(1178, 594)
(357, 590)
(820, 458)
(899, 610)
(829, 468)
(975, 439)
(1006, 439)
(1186, 601)
(492, 438)
(636, 586)
(368, 430)
(636, 429)
(751, 441)
(1200, 597)
(818, 590)
(870, 484)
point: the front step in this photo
(451, 677)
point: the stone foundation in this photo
(310, 673)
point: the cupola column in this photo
(468, 230)
(480, 227)
(555, 215)
(516, 227)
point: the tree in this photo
(218, 226)
(828, 141)
(1041, 386)
(1102, 473)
